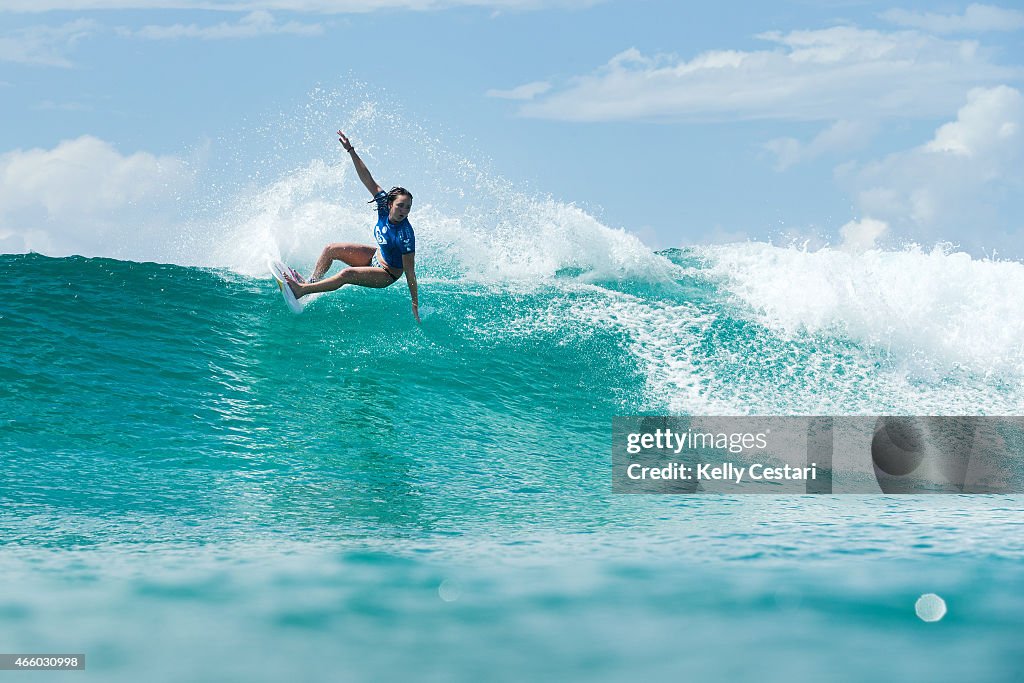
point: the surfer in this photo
(370, 266)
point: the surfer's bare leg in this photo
(348, 252)
(365, 276)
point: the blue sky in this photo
(852, 123)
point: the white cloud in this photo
(839, 73)
(841, 136)
(988, 126)
(50, 105)
(83, 195)
(967, 180)
(526, 91)
(45, 45)
(975, 19)
(317, 6)
(862, 235)
(49, 45)
(252, 25)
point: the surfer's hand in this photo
(416, 312)
(344, 141)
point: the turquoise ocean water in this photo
(201, 486)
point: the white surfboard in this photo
(281, 274)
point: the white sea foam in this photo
(701, 358)
(933, 311)
(660, 339)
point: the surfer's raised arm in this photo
(364, 173)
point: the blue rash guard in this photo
(394, 240)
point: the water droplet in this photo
(930, 607)
(449, 591)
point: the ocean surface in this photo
(201, 486)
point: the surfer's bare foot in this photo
(296, 288)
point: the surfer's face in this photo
(400, 208)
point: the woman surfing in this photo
(369, 266)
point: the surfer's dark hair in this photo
(393, 194)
